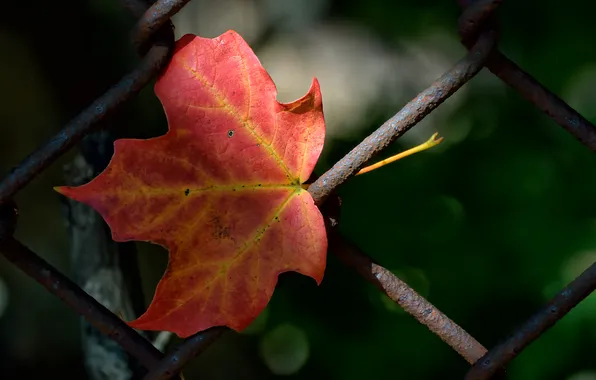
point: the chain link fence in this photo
(154, 39)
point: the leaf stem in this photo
(432, 141)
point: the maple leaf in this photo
(222, 189)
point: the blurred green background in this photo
(488, 226)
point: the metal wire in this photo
(178, 357)
(72, 295)
(546, 101)
(153, 38)
(470, 23)
(544, 319)
(406, 297)
(86, 121)
(410, 115)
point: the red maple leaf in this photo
(222, 189)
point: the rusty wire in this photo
(153, 39)
(406, 118)
(321, 188)
(413, 303)
(72, 295)
(86, 121)
(470, 23)
(89, 119)
(178, 357)
(542, 98)
(544, 319)
(155, 58)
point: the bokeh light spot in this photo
(285, 349)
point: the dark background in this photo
(488, 226)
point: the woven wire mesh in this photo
(153, 38)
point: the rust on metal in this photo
(546, 101)
(406, 297)
(156, 58)
(475, 18)
(177, 358)
(545, 318)
(405, 119)
(72, 295)
(153, 19)
(153, 38)
(85, 122)
(475, 11)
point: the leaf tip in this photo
(319, 277)
(64, 190)
(72, 192)
(141, 324)
(149, 322)
(315, 84)
(315, 91)
(311, 101)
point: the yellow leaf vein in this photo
(224, 269)
(247, 123)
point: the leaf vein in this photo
(248, 124)
(250, 243)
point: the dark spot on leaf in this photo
(259, 185)
(258, 144)
(230, 133)
(186, 192)
(218, 230)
